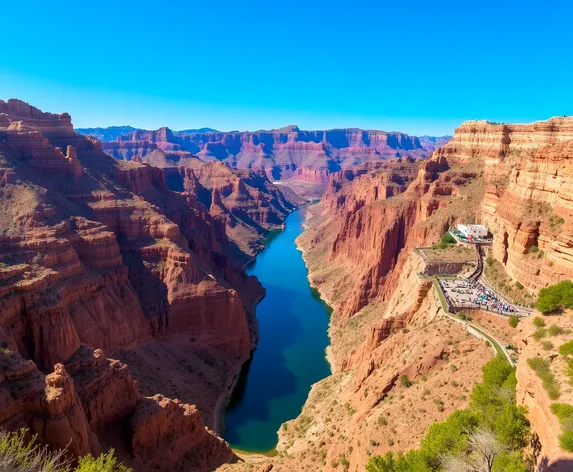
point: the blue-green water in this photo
(290, 355)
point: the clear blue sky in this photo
(418, 66)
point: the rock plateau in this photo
(302, 157)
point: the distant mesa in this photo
(107, 134)
(111, 133)
(199, 130)
(285, 153)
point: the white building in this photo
(472, 232)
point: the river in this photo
(290, 355)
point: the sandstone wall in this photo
(528, 188)
(287, 153)
(532, 395)
(101, 254)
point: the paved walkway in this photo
(480, 333)
(474, 294)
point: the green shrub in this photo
(440, 245)
(533, 249)
(507, 461)
(519, 286)
(566, 349)
(405, 381)
(464, 316)
(19, 455)
(566, 440)
(555, 297)
(563, 411)
(447, 238)
(547, 345)
(386, 463)
(555, 330)
(540, 333)
(492, 406)
(489, 261)
(541, 368)
(513, 321)
(103, 463)
(539, 322)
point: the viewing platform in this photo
(464, 238)
(457, 272)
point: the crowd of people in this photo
(490, 299)
(465, 293)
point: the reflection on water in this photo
(290, 356)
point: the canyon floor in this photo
(345, 420)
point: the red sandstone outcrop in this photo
(248, 203)
(364, 408)
(46, 405)
(376, 216)
(100, 254)
(46, 123)
(523, 166)
(169, 435)
(513, 178)
(532, 394)
(286, 153)
(528, 194)
(387, 320)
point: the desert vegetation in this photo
(17, 454)
(446, 241)
(513, 290)
(541, 368)
(490, 434)
(564, 411)
(565, 414)
(556, 297)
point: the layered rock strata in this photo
(359, 249)
(248, 203)
(532, 394)
(528, 193)
(284, 154)
(387, 323)
(101, 254)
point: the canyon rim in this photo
(141, 261)
(286, 236)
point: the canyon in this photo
(140, 257)
(388, 321)
(99, 258)
(303, 158)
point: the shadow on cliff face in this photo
(269, 378)
(560, 465)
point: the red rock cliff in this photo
(377, 215)
(98, 253)
(528, 193)
(284, 153)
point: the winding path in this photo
(480, 333)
